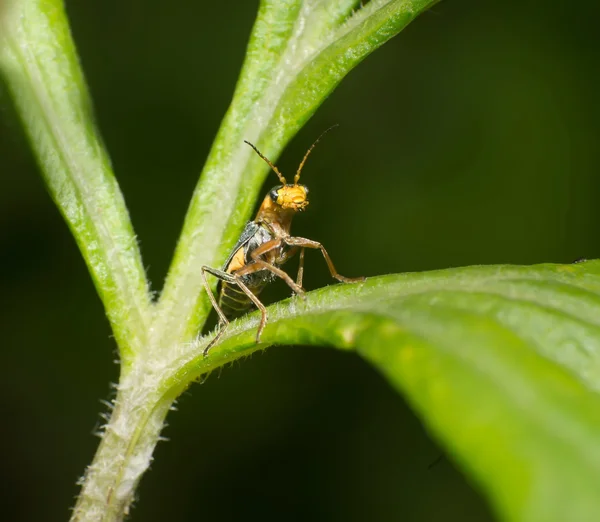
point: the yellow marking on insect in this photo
(237, 261)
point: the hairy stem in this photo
(39, 64)
(125, 452)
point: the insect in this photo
(264, 245)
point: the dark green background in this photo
(470, 138)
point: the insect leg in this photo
(231, 279)
(300, 268)
(257, 303)
(266, 247)
(223, 276)
(308, 243)
(291, 253)
(258, 265)
(223, 322)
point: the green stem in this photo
(39, 64)
(125, 451)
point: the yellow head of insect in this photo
(290, 197)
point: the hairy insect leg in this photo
(309, 243)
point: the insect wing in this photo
(249, 231)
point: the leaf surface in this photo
(500, 362)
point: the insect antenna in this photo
(275, 169)
(297, 176)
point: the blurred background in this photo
(471, 138)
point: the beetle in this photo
(264, 245)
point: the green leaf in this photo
(501, 362)
(39, 64)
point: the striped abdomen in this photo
(234, 302)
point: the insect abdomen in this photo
(233, 301)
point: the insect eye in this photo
(274, 195)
